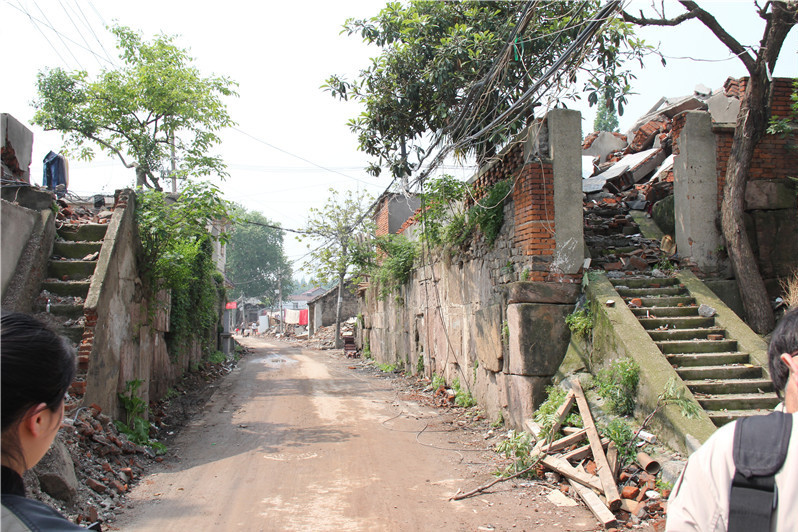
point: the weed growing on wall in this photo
(620, 433)
(441, 202)
(489, 212)
(398, 254)
(580, 322)
(618, 385)
(462, 397)
(438, 381)
(420, 365)
(387, 368)
(177, 248)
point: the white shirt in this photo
(700, 499)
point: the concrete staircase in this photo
(69, 272)
(726, 382)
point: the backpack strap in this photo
(760, 448)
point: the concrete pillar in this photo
(565, 141)
(18, 140)
(695, 191)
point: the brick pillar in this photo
(565, 141)
(695, 192)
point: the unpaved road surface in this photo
(299, 439)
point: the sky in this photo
(292, 143)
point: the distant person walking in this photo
(37, 367)
(745, 477)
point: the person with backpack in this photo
(745, 477)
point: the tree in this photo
(752, 122)
(256, 262)
(606, 119)
(454, 70)
(344, 226)
(156, 102)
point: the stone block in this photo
(605, 144)
(776, 233)
(538, 338)
(523, 395)
(723, 109)
(487, 337)
(770, 194)
(536, 292)
(56, 473)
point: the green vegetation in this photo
(135, 426)
(156, 101)
(438, 381)
(488, 212)
(177, 256)
(620, 433)
(462, 397)
(171, 393)
(387, 368)
(618, 385)
(420, 365)
(499, 421)
(546, 413)
(442, 204)
(505, 333)
(525, 274)
(398, 255)
(665, 265)
(580, 322)
(517, 447)
(217, 357)
(366, 348)
(606, 118)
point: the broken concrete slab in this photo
(665, 167)
(604, 144)
(534, 292)
(723, 109)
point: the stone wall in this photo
(493, 317)
(322, 309)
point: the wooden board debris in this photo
(594, 504)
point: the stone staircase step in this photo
(61, 309)
(67, 288)
(74, 333)
(83, 233)
(644, 282)
(73, 269)
(666, 301)
(689, 322)
(722, 417)
(691, 360)
(738, 401)
(730, 386)
(731, 371)
(75, 250)
(664, 312)
(651, 292)
(697, 346)
(685, 334)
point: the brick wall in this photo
(533, 198)
(382, 218)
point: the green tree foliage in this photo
(451, 68)
(156, 99)
(442, 203)
(606, 118)
(396, 258)
(256, 261)
(344, 227)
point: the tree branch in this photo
(643, 21)
(731, 43)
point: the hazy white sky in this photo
(280, 53)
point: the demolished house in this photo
(635, 172)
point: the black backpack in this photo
(760, 448)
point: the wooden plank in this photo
(533, 428)
(612, 459)
(562, 412)
(568, 471)
(565, 441)
(594, 504)
(570, 430)
(604, 471)
(583, 452)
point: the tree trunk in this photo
(751, 123)
(141, 177)
(338, 341)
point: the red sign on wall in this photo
(230, 305)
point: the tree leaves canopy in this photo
(345, 228)
(256, 262)
(447, 69)
(135, 112)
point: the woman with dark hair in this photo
(37, 367)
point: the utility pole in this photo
(280, 299)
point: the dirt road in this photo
(296, 439)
